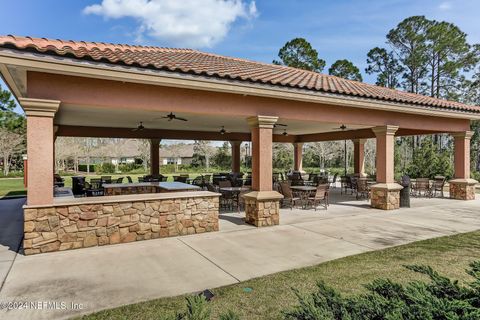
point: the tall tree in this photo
(205, 149)
(448, 53)
(9, 119)
(386, 66)
(10, 143)
(345, 69)
(408, 40)
(299, 53)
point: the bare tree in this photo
(10, 143)
(205, 149)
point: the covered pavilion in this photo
(88, 89)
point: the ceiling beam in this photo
(105, 132)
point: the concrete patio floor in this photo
(110, 276)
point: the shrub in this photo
(440, 298)
(106, 167)
(83, 168)
(198, 309)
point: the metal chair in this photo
(422, 186)
(129, 179)
(106, 179)
(119, 180)
(321, 195)
(362, 189)
(437, 186)
(289, 198)
(94, 188)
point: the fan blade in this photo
(136, 129)
(181, 119)
(281, 125)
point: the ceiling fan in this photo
(140, 127)
(171, 116)
(223, 131)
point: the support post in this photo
(235, 156)
(359, 157)
(262, 205)
(462, 187)
(386, 193)
(298, 156)
(40, 149)
(155, 157)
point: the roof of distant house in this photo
(190, 61)
(180, 150)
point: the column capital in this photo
(265, 122)
(358, 140)
(39, 107)
(385, 130)
(235, 142)
(464, 135)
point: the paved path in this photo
(110, 276)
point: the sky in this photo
(255, 30)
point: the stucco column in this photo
(40, 149)
(385, 193)
(155, 156)
(298, 156)
(462, 187)
(262, 205)
(359, 157)
(235, 156)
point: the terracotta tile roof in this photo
(212, 65)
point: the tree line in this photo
(420, 56)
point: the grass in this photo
(272, 294)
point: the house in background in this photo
(176, 154)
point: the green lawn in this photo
(271, 294)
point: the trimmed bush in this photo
(440, 298)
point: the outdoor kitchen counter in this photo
(63, 201)
(71, 223)
(112, 189)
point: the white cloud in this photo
(444, 6)
(191, 23)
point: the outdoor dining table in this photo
(304, 192)
(235, 191)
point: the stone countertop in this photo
(68, 201)
(163, 185)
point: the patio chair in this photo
(141, 179)
(182, 179)
(346, 183)
(333, 182)
(163, 178)
(437, 186)
(207, 178)
(58, 181)
(119, 180)
(129, 179)
(422, 187)
(227, 198)
(198, 181)
(211, 187)
(94, 188)
(362, 189)
(321, 195)
(289, 198)
(106, 179)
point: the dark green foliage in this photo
(83, 168)
(299, 53)
(229, 315)
(106, 167)
(440, 298)
(9, 119)
(428, 161)
(222, 157)
(385, 65)
(345, 69)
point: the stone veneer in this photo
(462, 189)
(386, 196)
(262, 208)
(64, 227)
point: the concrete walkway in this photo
(110, 276)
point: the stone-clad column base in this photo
(386, 196)
(262, 208)
(462, 189)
